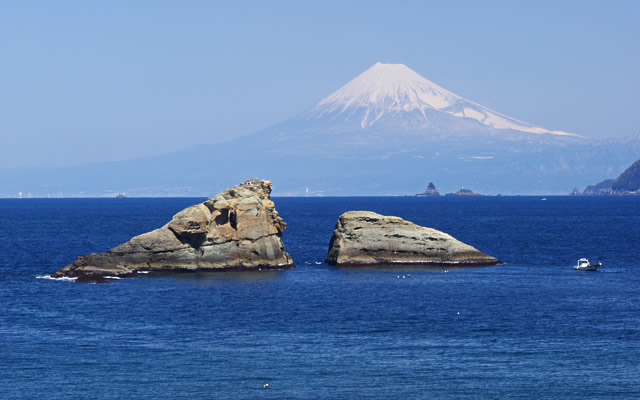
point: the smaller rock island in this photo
(463, 193)
(429, 191)
(238, 229)
(366, 238)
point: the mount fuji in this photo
(396, 96)
(389, 131)
(389, 108)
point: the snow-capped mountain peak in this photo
(395, 90)
(395, 86)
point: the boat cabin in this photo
(583, 263)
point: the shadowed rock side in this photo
(237, 229)
(367, 238)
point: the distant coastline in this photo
(626, 184)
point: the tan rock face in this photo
(237, 229)
(367, 238)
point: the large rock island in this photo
(366, 238)
(237, 229)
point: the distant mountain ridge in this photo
(383, 133)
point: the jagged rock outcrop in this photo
(367, 238)
(237, 229)
(429, 191)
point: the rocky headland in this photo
(238, 229)
(365, 238)
(628, 183)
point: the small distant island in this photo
(429, 191)
(463, 193)
(432, 191)
(628, 183)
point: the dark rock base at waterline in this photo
(105, 278)
(418, 264)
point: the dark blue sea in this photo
(532, 328)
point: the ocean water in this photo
(531, 328)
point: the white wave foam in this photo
(143, 272)
(64, 278)
(111, 277)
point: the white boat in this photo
(585, 265)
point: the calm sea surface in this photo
(531, 328)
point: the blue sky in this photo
(96, 81)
